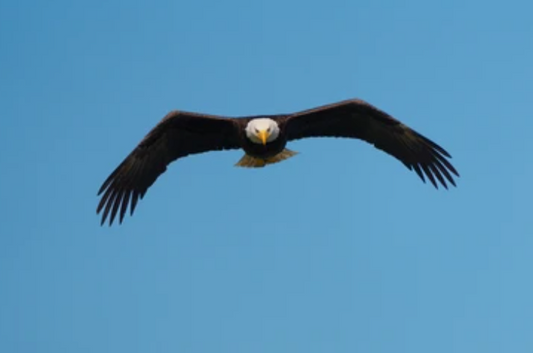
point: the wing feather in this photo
(177, 135)
(359, 119)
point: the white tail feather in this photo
(248, 161)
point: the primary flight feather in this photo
(263, 139)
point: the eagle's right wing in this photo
(177, 135)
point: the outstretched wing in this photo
(358, 119)
(177, 135)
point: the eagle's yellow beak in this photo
(263, 136)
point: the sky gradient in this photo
(339, 249)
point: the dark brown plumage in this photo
(180, 134)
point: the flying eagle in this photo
(263, 139)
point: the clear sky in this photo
(340, 249)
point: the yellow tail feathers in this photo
(251, 162)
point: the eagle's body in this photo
(264, 140)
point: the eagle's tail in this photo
(248, 161)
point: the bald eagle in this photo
(264, 139)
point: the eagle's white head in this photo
(262, 130)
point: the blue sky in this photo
(340, 249)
